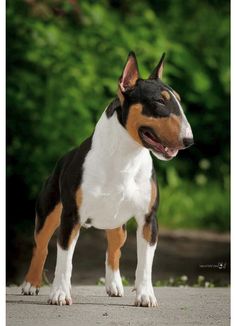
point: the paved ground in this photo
(177, 306)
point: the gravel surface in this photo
(91, 306)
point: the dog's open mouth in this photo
(150, 140)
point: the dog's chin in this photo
(153, 143)
(162, 157)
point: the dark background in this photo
(63, 62)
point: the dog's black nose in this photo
(188, 142)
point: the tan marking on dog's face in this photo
(42, 239)
(116, 239)
(166, 95)
(167, 128)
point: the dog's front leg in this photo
(146, 245)
(113, 282)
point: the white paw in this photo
(29, 289)
(145, 297)
(113, 283)
(60, 295)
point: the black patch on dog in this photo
(115, 106)
(148, 93)
(70, 180)
(48, 198)
(151, 217)
(88, 221)
(62, 186)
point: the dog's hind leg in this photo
(113, 283)
(42, 238)
(48, 211)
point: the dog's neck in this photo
(113, 141)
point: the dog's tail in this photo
(48, 198)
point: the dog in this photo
(107, 180)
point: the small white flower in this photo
(201, 278)
(171, 280)
(184, 278)
(207, 284)
(102, 280)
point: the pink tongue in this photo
(156, 146)
(159, 147)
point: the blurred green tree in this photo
(63, 62)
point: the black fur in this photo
(148, 93)
(151, 217)
(48, 198)
(62, 186)
(89, 221)
(114, 106)
(156, 72)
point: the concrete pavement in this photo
(91, 306)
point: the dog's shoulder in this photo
(71, 165)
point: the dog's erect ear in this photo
(158, 71)
(130, 73)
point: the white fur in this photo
(116, 177)
(115, 187)
(186, 131)
(159, 156)
(143, 282)
(60, 291)
(113, 281)
(29, 289)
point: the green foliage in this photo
(101, 281)
(125, 281)
(183, 281)
(180, 281)
(64, 60)
(194, 203)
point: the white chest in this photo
(116, 180)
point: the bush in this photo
(64, 59)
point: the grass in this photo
(181, 281)
(192, 204)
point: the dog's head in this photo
(151, 111)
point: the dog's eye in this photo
(160, 101)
